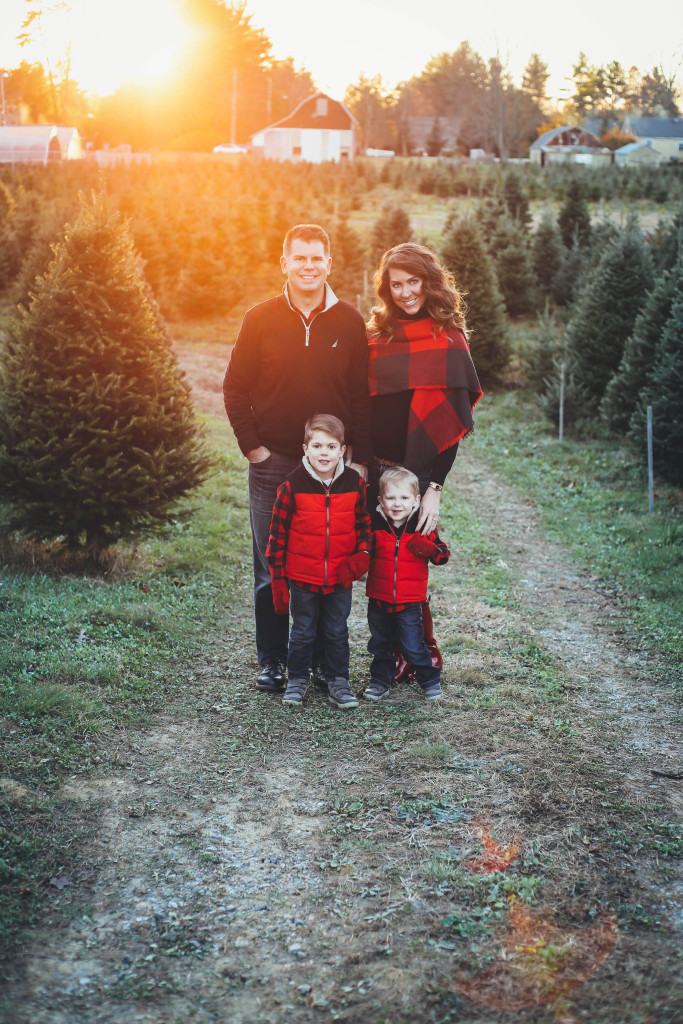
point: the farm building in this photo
(665, 134)
(39, 143)
(634, 154)
(29, 144)
(319, 129)
(569, 145)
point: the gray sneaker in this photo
(433, 691)
(375, 690)
(340, 694)
(295, 692)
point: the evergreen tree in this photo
(434, 141)
(98, 431)
(664, 392)
(349, 260)
(515, 276)
(574, 219)
(638, 360)
(516, 200)
(666, 242)
(546, 253)
(606, 309)
(570, 275)
(543, 351)
(464, 253)
(392, 228)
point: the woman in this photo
(422, 381)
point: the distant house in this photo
(637, 153)
(319, 129)
(665, 134)
(29, 144)
(569, 144)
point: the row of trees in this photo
(98, 435)
(229, 85)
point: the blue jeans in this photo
(386, 628)
(264, 479)
(309, 610)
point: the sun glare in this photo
(117, 41)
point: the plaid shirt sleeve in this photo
(363, 523)
(283, 510)
(442, 554)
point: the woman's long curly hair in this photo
(444, 303)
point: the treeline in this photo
(211, 235)
(229, 85)
(460, 101)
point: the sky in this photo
(115, 40)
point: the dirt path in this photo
(256, 866)
(578, 622)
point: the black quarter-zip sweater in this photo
(283, 370)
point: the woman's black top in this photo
(390, 427)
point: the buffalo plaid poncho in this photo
(436, 365)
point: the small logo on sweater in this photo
(336, 343)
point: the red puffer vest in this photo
(396, 575)
(322, 531)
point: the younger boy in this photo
(320, 538)
(397, 585)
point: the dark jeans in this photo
(386, 628)
(331, 611)
(264, 479)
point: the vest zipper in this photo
(327, 528)
(398, 541)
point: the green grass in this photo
(593, 498)
(80, 653)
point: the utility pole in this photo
(233, 106)
(3, 76)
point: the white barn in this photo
(29, 144)
(319, 129)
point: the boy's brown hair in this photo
(327, 422)
(398, 475)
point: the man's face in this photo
(306, 267)
(398, 501)
(324, 453)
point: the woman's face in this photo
(406, 290)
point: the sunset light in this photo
(108, 44)
(142, 42)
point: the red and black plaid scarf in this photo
(437, 367)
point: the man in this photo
(301, 353)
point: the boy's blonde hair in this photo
(327, 422)
(396, 476)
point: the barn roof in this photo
(318, 111)
(571, 136)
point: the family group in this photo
(379, 411)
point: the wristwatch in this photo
(435, 487)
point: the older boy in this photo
(320, 542)
(397, 585)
